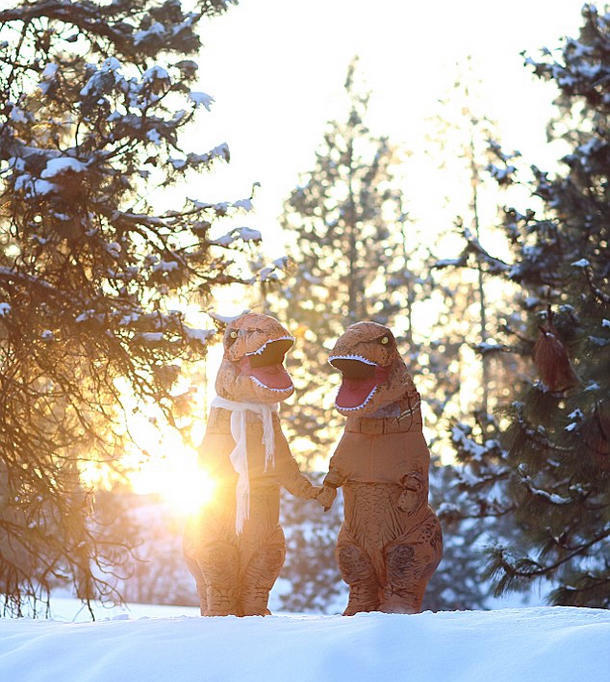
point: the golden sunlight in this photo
(170, 469)
(188, 492)
(186, 489)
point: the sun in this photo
(171, 472)
(187, 491)
(185, 488)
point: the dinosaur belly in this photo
(374, 519)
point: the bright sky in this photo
(276, 69)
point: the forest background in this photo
(440, 183)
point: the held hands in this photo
(326, 496)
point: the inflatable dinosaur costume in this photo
(390, 542)
(235, 548)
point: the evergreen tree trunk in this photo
(480, 283)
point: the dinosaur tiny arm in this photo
(415, 492)
(333, 480)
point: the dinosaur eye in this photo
(384, 340)
(233, 334)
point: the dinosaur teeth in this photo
(268, 388)
(352, 357)
(261, 350)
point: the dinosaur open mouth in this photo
(265, 366)
(361, 377)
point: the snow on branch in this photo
(451, 262)
(201, 99)
(199, 336)
(495, 266)
(487, 348)
(61, 165)
(245, 234)
(221, 152)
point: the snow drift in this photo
(557, 644)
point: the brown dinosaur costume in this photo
(390, 542)
(235, 548)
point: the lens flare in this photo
(188, 492)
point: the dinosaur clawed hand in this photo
(326, 496)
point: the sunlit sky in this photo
(276, 69)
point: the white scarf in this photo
(239, 456)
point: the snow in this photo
(267, 274)
(460, 436)
(155, 73)
(165, 266)
(502, 175)
(87, 315)
(114, 249)
(201, 99)
(201, 335)
(60, 165)
(546, 644)
(312, 279)
(34, 186)
(153, 136)
(488, 347)
(244, 233)
(110, 65)
(49, 70)
(47, 76)
(446, 262)
(245, 204)
(227, 319)
(152, 337)
(157, 29)
(18, 115)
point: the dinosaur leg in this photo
(261, 573)
(358, 572)
(195, 571)
(410, 563)
(218, 564)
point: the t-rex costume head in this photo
(374, 374)
(252, 368)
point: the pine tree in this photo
(464, 134)
(461, 392)
(548, 467)
(456, 584)
(345, 221)
(94, 98)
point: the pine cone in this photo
(552, 362)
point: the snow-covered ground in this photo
(554, 644)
